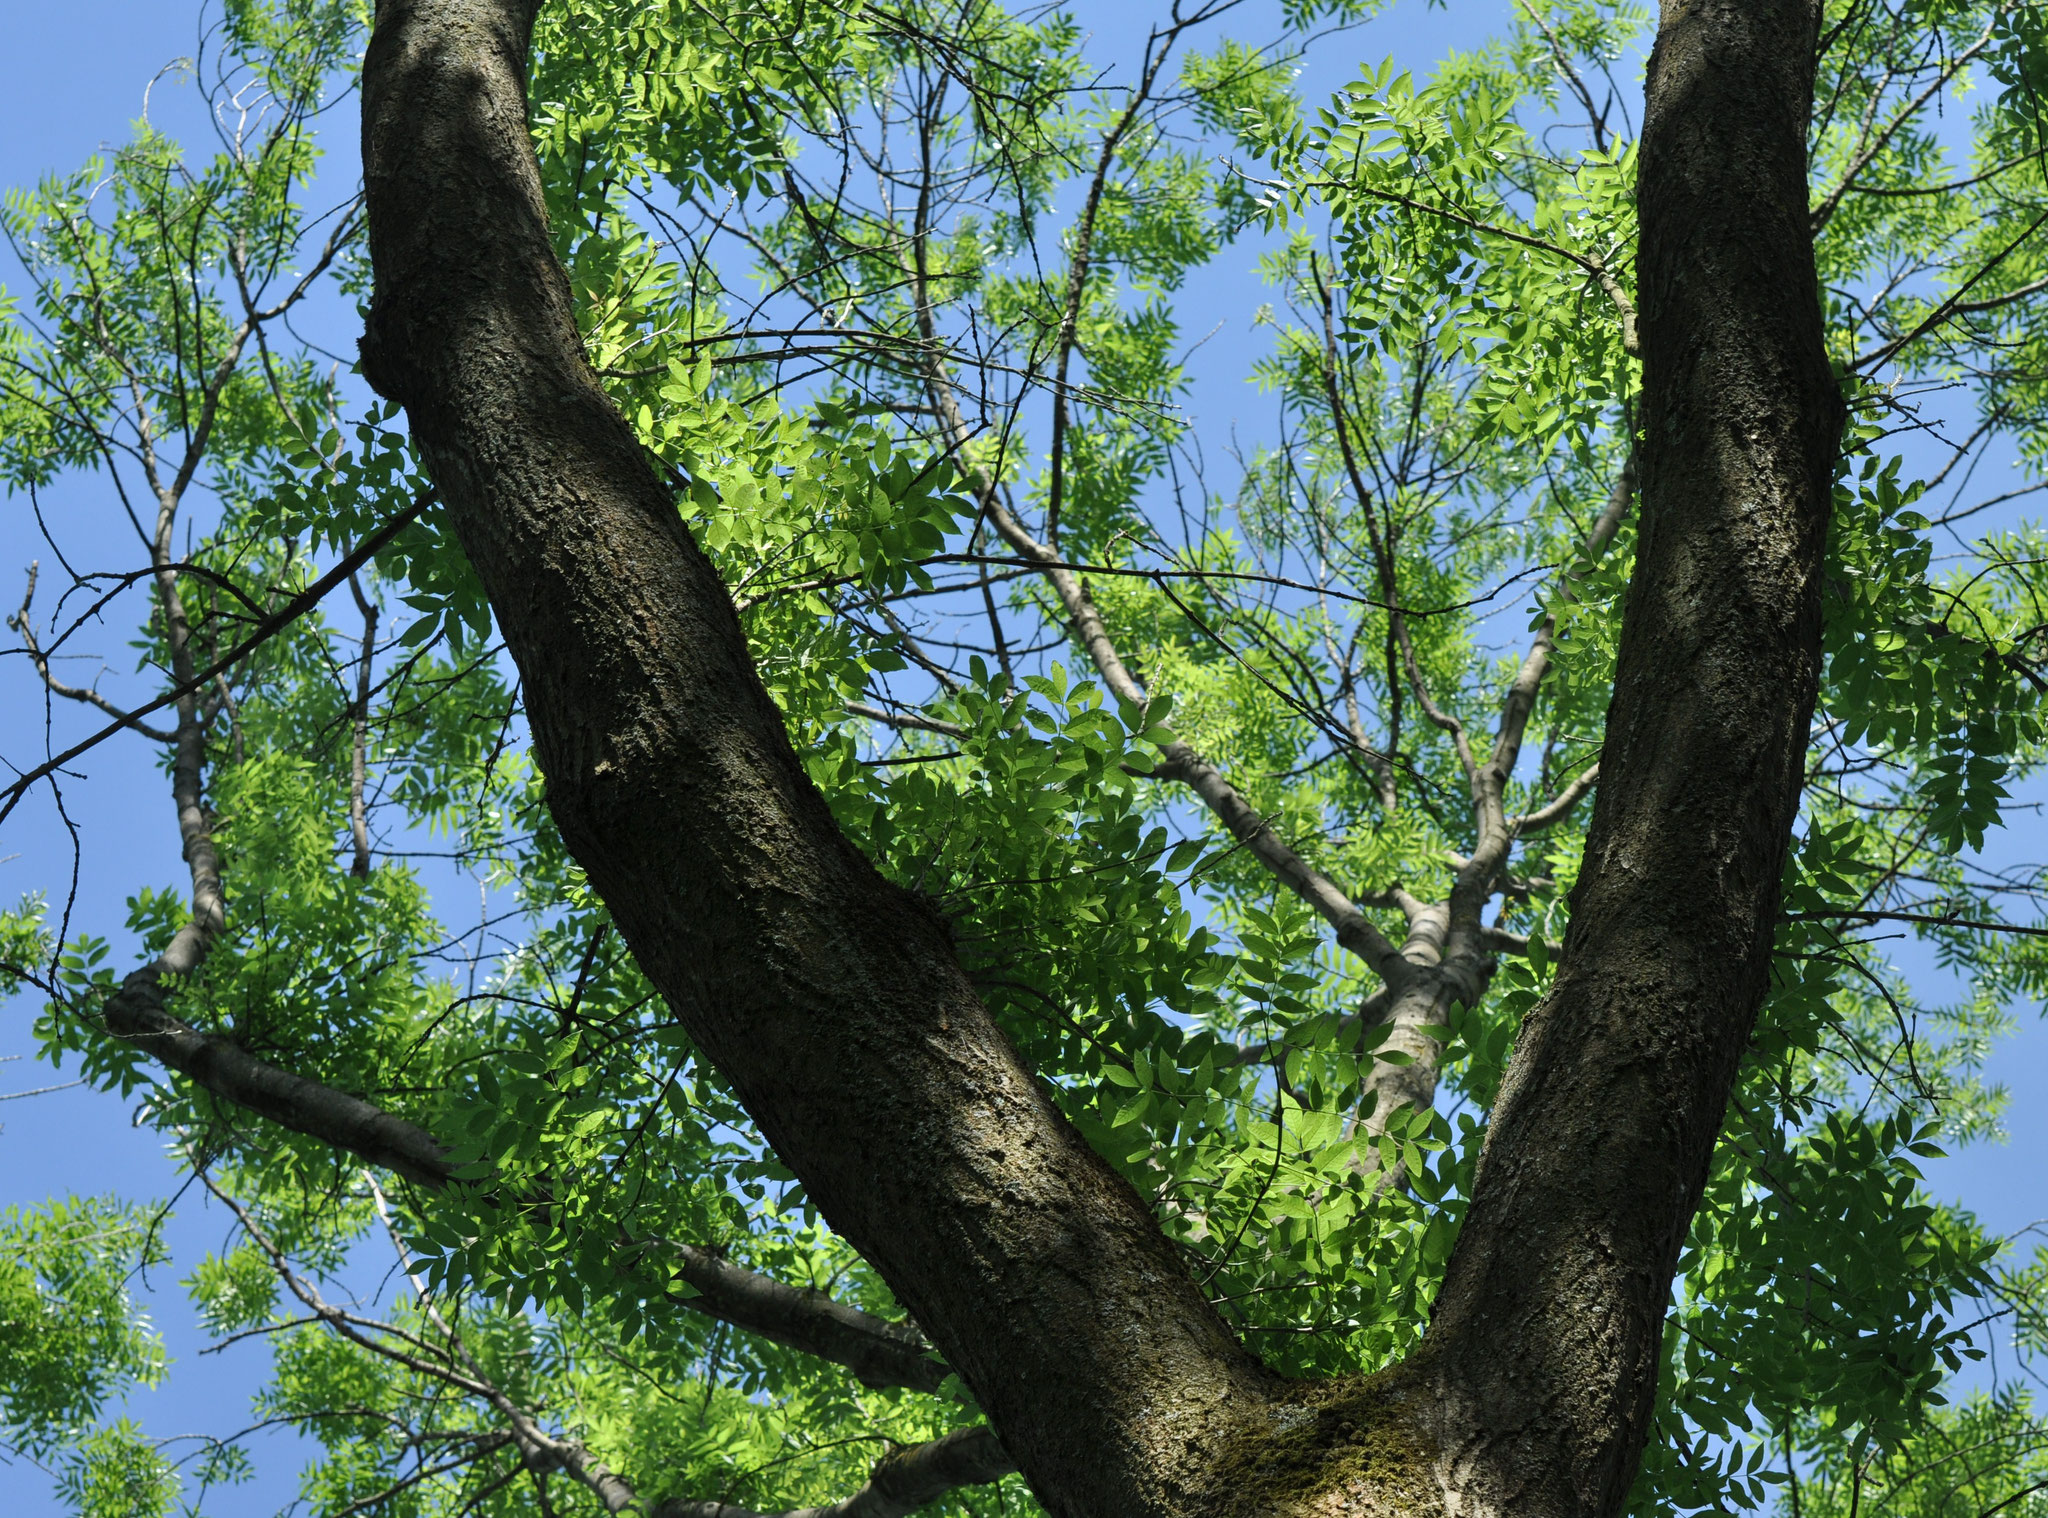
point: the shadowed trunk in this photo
(829, 998)
(1548, 1324)
(834, 1004)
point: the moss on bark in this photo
(1355, 1446)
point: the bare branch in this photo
(1954, 304)
(1476, 878)
(1383, 545)
(1558, 807)
(907, 720)
(540, 1450)
(899, 1485)
(1956, 63)
(1927, 919)
(1157, 48)
(269, 628)
(1593, 265)
(359, 747)
(1180, 761)
(22, 624)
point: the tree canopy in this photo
(1011, 920)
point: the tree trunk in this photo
(834, 1004)
(1547, 1328)
(830, 999)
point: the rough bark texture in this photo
(1547, 1329)
(831, 1000)
(834, 1004)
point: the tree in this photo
(916, 1004)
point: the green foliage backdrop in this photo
(896, 299)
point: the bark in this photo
(23, 623)
(879, 1351)
(830, 999)
(1395, 1091)
(1546, 1335)
(833, 1002)
(359, 738)
(138, 1014)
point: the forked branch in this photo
(23, 624)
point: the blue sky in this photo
(77, 82)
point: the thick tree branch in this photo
(1501, 941)
(878, 1352)
(1558, 807)
(138, 1013)
(1545, 1342)
(831, 1000)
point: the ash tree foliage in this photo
(1249, 772)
